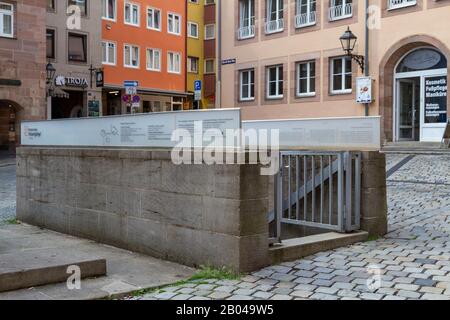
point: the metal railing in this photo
(246, 32)
(319, 190)
(341, 12)
(305, 19)
(397, 4)
(273, 26)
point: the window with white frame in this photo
(192, 64)
(306, 79)
(174, 23)
(174, 62)
(210, 66)
(131, 56)
(131, 13)
(153, 59)
(210, 31)
(6, 20)
(193, 30)
(109, 8)
(305, 13)
(247, 85)
(397, 4)
(108, 52)
(341, 75)
(340, 9)
(274, 16)
(274, 82)
(154, 19)
(246, 19)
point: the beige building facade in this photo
(73, 33)
(288, 62)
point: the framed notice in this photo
(364, 90)
(436, 100)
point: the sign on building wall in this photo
(364, 90)
(436, 99)
(143, 130)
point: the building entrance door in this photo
(408, 107)
(420, 107)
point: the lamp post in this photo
(50, 70)
(348, 42)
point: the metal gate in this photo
(318, 189)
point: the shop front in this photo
(420, 96)
(73, 97)
(118, 101)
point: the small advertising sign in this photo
(364, 90)
(436, 99)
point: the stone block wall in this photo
(139, 200)
(23, 59)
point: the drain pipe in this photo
(219, 55)
(366, 49)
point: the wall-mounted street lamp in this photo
(50, 75)
(348, 42)
(50, 69)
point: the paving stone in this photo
(371, 296)
(262, 294)
(182, 297)
(219, 295)
(305, 274)
(409, 294)
(348, 293)
(244, 292)
(225, 288)
(281, 297)
(283, 291)
(282, 277)
(433, 290)
(344, 285)
(199, 298)
(425, 282)
(205, 286)
(264, 288)
(430, 296)
(165, 295)
(239, 297)
(408, 287)
(323, 283)
(301, 293)
(186, 290)
(325, 290)
(391, 297)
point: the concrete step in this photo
(31, 269)
(293, 249)
(415, 148)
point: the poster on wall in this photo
(436, 99)
(94, 108)
(364, 90)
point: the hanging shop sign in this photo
(62, 81)
(99, 79)
(364, 90)
(436, 99)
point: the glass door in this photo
(408, 103)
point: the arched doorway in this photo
(420, 96)
(8, 126)
(388, 86)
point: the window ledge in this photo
(340, 93)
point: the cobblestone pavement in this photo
(7, 192)
(411, 262)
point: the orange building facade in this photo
(144, 41)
